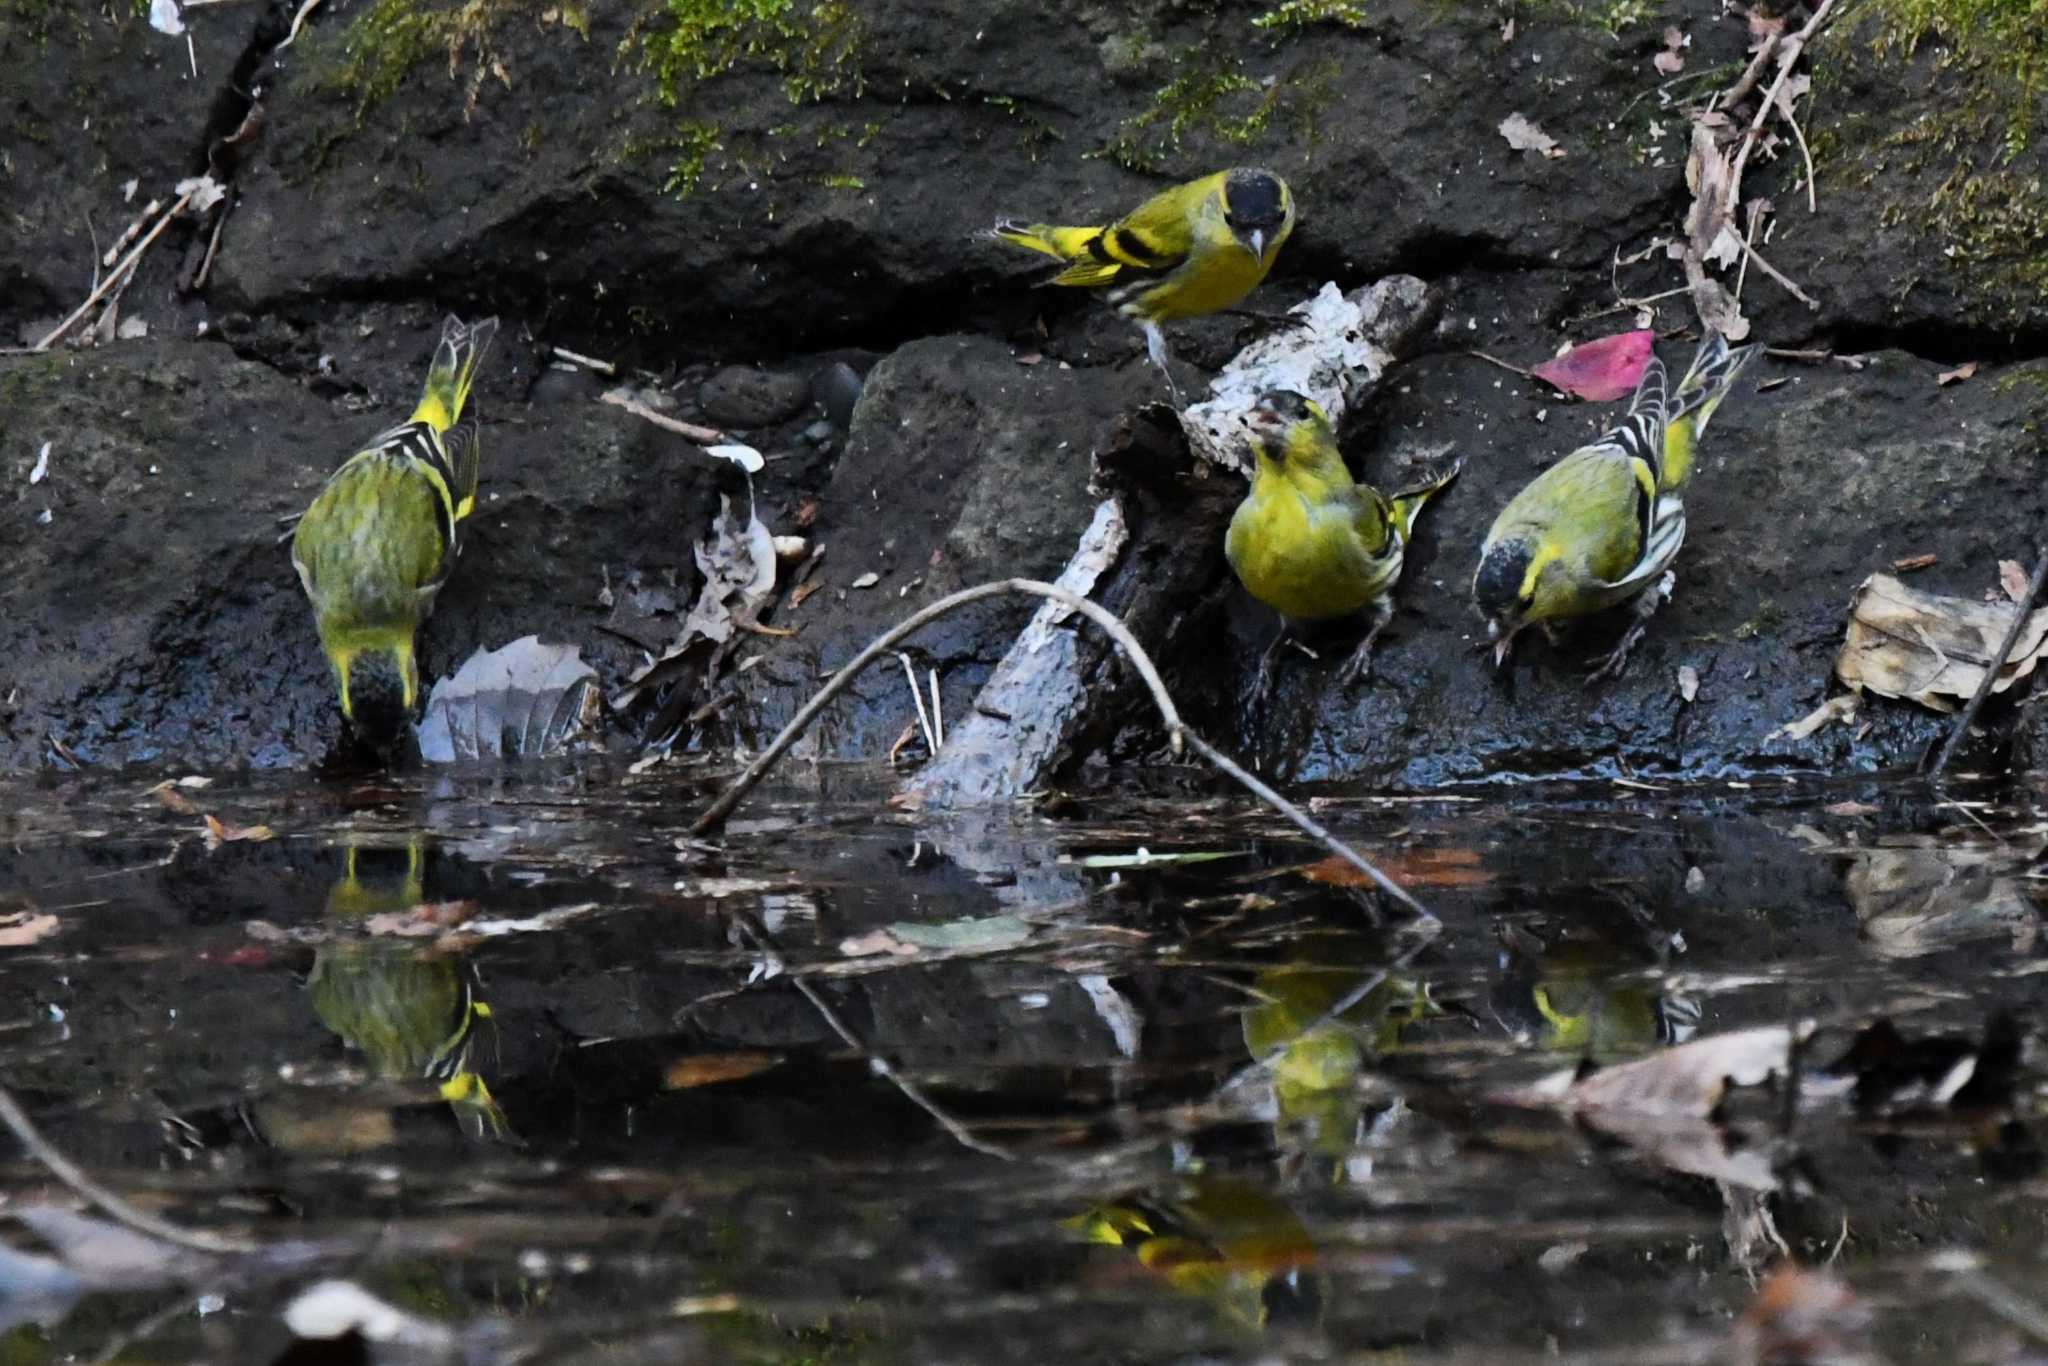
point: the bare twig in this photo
(587, 362)
(1752, 254)
(110, 1204)
(128, 264)
(924, 722)
(689, 431)
(1510, 368)
(1787, 52)
(2021, 611)
(212, 250)
(298, 22)
(1177, 730)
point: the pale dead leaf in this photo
(1850, 809)
(1725, 249)
(1688, 682)
(1928, 647)
(22, 928)
(1507, 30)
(1718, 310)
(867, 580)
(2012, 577)
(1789, 93)
(1525, 136)
(1909, 563)
(874, 942)
(1669, 62)
(1957, 375)
(220, 832)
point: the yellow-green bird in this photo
(1196, 248)
(1310, 541)
(381, 536)
(1602, 526)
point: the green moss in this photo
(1945, 156)
(691, 147)
(1213, 99)
(683, 43)
(387, 42)
(2006, 40)
(1291, 16)
(842, 182)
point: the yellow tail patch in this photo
(453, 371)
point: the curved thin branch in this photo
(1177, 730)
(115, 1206)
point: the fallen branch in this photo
(1787, 52)
(119, 273)
(2021, 611)
(689, 431)
(1178, 734)
(110, 1204)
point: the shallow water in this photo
(514, 1055)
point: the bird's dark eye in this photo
(1527, 600)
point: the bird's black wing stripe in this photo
(418, 442)
(1642, 436)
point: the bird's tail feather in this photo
(1408, 502)
(1065, 244)
(454, 370)
(1709, 380)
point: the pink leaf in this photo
(1601, 370)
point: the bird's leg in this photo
(1643, 608)
(1360, 663)
(1155, 347)
(1262, 683)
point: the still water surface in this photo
(859, 1085)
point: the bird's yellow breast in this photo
(1306, 560)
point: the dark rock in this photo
(962, 466)
(748, 399)
(156, 614)
(1801, 492)
(836, 389)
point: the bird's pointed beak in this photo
(1503, 642)
(1257, 244)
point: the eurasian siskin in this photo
(379, 539)
(1602, 526)
(1197, 248)
(1308, 540)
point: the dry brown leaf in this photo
(1928, 647)
(220, 832)
(174, 800)
(420, 921)
(1957, 375)
(2012, 577)
(22, 928)
(706, 1069)
(804, 590)
(1525, 136)
(1909, 563)
(1688, 682)
(1803, 1315)
(1444, 867)
(1718, 310)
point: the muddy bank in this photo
(677, 198)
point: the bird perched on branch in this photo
(1601, 527)
(381, 536)
(1308, 540)
(1196, 248)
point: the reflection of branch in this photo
(69, 1172)
(912, 1092)
(1177, 730)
